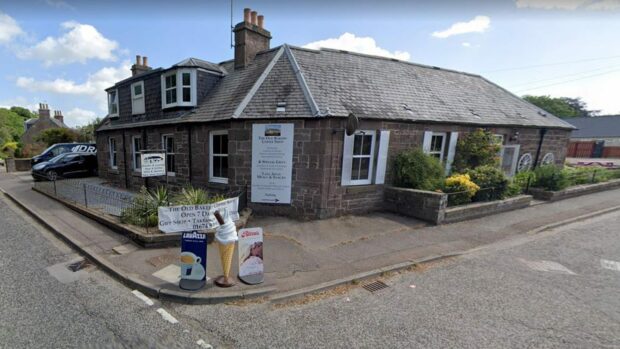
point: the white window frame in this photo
(113, 153)
(137, 101)
(113, 102)
(347, 169)
(165, 148)
(441, 152)
(136, 154)
(179, 88)
(515, 159)
(212, 178)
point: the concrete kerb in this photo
(135, 282)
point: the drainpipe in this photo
(189, 152)
(543, 131)
(125, 161)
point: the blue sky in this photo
(65, 52)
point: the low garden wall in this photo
(421, 204)
(433, 207)
(481, 209)
(547, 195)
(17, 165)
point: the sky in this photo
(66, 52)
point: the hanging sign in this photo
(153, 164)
(193, 260)
(272, 163)
(174, 219)
(251, 269)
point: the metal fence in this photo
(88, 194)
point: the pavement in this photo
(300, 257)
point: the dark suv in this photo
(61, 148)
(66, 165)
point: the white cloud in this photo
(59, 4)
(466, 44)
(477, 25)
(350, 42)
(600, 5)
(77, 116)
(9, 29)
(79, 43)
(93, 87)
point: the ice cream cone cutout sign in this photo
(226, 236)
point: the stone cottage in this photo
(33, 127)
(272, 122)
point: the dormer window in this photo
(137, 98)
(179, 88)
(113, 103)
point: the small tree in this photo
(479, 148)
(56, 135)
(414, 169)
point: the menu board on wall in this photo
(272, 163)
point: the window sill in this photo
(171, 174)
(218, 180)
(113, 170)
(363, 188)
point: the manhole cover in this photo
(79, 265)
(375, 286)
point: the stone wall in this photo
(317, 160)
(481, 209)
(425, 205)
(17, 165)
(541, 194)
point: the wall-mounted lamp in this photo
(515, 136)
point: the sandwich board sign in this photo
(272, 163)
(193, 260)
(251, 267)
(153, 164)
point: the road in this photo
(44, 305)
(555, 289)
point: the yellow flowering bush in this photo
(460, 188)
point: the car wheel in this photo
(52, 175)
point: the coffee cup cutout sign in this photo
(251, 261)
(193, 260)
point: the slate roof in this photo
(333, 83)
(199, 63)
(597, 127)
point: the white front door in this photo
(508, 157)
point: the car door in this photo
(71, 165)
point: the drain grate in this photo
(79, 265)
(375, 286)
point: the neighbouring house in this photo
(595, 137)
(224, 126)
(33, 127)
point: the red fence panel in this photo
(581, 149)
(611, 152)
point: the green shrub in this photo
(550, 177)
(143, 210)
(588, 175)
(513, 189)
(478, 148)
(195, 196)
(416, 170)
(461, 189)
(522, 178)
(492, 182)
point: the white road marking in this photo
(204, 344)
(166, 315)
(611, 265)
(143, 297)
(548, 266)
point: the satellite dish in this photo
(353, 124)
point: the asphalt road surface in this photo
(558, 289)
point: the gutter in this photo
(543, 132)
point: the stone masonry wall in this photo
(317, 160)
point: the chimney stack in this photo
(140, 66)
(250, 38)
(58, 116)
(44, 111)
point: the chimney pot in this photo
(246, 15)
(138, 59)
(261, 20)
(254, 13)
(145, 61)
